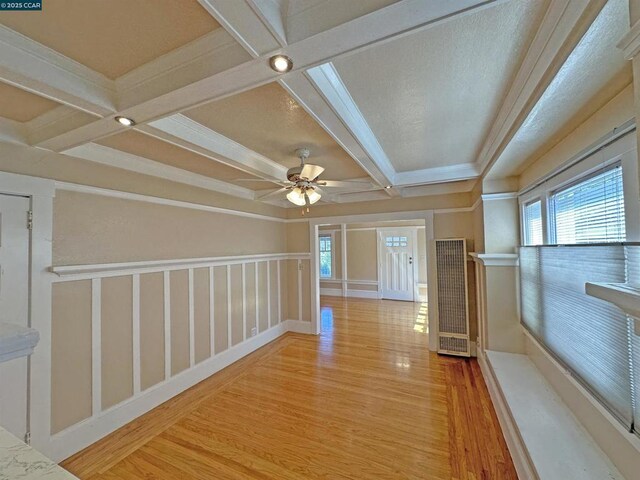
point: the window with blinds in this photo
(532, 222)
(590, 337)
(590, 211)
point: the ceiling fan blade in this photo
(311, 172)
(347, 184)
(275, 193)
(278, 182)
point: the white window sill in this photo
(555, 444)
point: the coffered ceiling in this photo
(421, 95)
(113, 37)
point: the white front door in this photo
(396, 263)
(14, 307)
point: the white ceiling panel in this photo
(430, 97)
(594, 73)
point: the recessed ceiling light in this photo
(388, 187)
(127, 122)
(281, 63)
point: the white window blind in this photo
(590, 211)
(326, 247)
(590, 337)
(533, 223)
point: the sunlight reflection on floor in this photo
(326, 327)
(421, 325)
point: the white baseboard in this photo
(298, 326)
(67, 442)
(363, 293)
(331, 292)
(337, 292)
(522, 462)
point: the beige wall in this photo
(45, 164)
(362, 255)
(90, 229)
(502, 226)
(98, 229)
(454, 225)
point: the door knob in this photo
(410, 260)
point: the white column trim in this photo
(96, 346)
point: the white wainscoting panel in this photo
(101, 422)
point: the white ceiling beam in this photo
(302, 89)
(238, 18)
(134, 163)
(320, 91)
(274, 16)
(186, 133)
(564, 24)
(380, 26)
(12, 131)
(41, 70)
(328, 83)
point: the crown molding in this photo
(30, 65)
(118, 159)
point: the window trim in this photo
(621, 151)
(552, 236)
(333, 255)
(523, 230)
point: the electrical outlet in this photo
(254, 331)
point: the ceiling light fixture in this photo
(296, 196)
(281, 63)
(387, 187)
(302, 196)
(125, 121)
(313, 196)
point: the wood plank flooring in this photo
(364, 400)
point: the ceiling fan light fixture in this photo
(296, 196)
(281, 63)
(387, 187)
(313, 196)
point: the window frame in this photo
(333, 255)
(523, 229)
(621, 151)
(552, 227)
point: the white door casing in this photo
(14, 308)
(397, 260)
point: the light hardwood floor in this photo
(364, 400)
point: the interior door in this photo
(396, 262)
(14, 307)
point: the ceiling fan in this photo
(303, 183)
